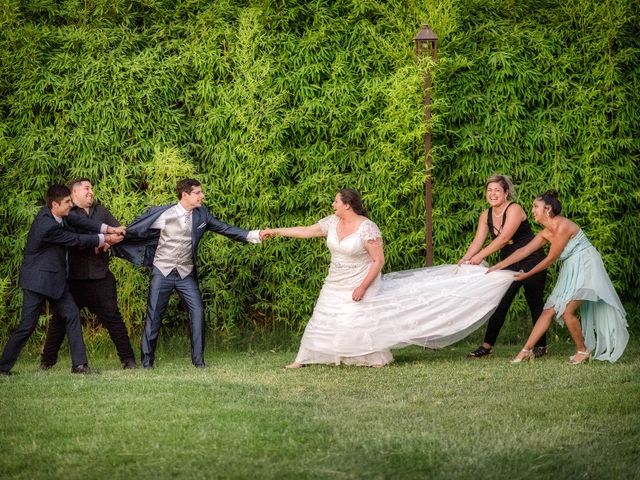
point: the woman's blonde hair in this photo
(505, 182)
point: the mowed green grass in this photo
(432, 414)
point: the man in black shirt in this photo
(91, 283)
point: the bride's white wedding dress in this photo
(432, 307)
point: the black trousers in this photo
(101, 298)
(533, 293)
(69, 319)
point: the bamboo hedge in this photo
(274, 105)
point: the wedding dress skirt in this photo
(603, 318)
(431, 307)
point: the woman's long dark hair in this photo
(352, 198)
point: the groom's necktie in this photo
(187, 220)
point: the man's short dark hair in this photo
(76, 181)
(186, 186)
(55, 193)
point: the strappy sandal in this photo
(586, 357)
(480, 352)
(524, 356)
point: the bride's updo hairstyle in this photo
(506, 184)
(550, 197)
(352, 198)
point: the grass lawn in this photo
(432, 414)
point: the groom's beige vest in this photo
(174, 247)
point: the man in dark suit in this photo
(91, 283)
(43, 274)
(166, 239)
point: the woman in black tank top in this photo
(507, 225)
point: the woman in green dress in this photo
(583, 284)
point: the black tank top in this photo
(520, 238)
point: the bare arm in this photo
(515, 215)
(376, 252)
(538, 241)
(478, 240)
(558, 241)
(310, 231)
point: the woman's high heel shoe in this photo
(524, 355)
(586, 357)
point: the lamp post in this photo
(427, 43)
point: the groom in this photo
(166, 239)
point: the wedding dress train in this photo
(431, 307)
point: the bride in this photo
(361, 315)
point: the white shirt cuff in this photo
(103, 228)
(254, 236)
(101, 237)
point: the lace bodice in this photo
(351, 249)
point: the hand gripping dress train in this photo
(603, 318)
(431, 307)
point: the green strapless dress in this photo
(583, 277)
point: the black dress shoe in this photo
(5, 373)
(45, 366)
(200, 365)
(130, 365)
(82, 369)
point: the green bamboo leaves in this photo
(274, 105)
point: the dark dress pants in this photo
(159, 292)
(101, 298)
(533, 293)
(31, 308)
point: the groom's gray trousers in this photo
(160, 290)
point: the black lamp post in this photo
(427, 44)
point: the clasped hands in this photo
(266, 233)
(112, 236)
